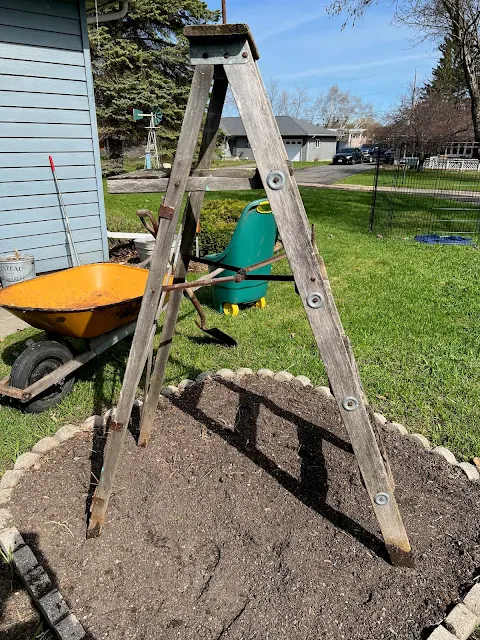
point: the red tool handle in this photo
(50, 159)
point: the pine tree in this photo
(448, 77)
(142, 62)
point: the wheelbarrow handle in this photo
(145, 213)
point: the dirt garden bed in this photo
(246, 518)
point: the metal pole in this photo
(73, 249)
(375, 187)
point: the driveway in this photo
(330, 173)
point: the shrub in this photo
(218, 220)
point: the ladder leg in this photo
(282, 192)
(192, 214)
(169, 214)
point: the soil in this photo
(245, 518)
(124, 253)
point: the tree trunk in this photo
(115, 148)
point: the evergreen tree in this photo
(142, 62)
(448, 78)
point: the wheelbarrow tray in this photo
(82, 302)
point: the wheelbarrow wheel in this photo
(34, 363)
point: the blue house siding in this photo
(47, 108)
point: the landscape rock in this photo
(185, 384)
(380, 418)
(440, 633)
(205, 375)
(37, 582)
(243, 371)
(397, 427)
(470, 471)
(70, 628)
(169, 391)
(445, 453)
(283, 376)
(93, 422)
(461, 622)
(45, 444)
(225, 373)
(6, 518)
(26, 460)
(5, 495)
(10, 479)
(302, 381)
(24, 560)
(53, 606)
(265, 373)
(324, 391)
(472, 599)
(67, 432)
(11, 540)
(419, 439)
(138, 403)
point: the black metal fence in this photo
(427, 195)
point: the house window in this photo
(460, 151)
(468, 151)
(317, 143)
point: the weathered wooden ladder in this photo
(226, 54)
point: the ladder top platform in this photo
(226, 32)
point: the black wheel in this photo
(34, 363)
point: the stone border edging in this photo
(460, 623)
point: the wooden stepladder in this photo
(226, 55)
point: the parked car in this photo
(389, 156)
(369, 152)
(348, 156)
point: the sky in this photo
(300, 43)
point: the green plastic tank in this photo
(253, 241)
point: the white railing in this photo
(457, 164)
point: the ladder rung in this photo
(194, 183)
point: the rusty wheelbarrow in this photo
(98, 303)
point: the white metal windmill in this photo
(151, 150)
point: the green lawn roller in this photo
(253, 241)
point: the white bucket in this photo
(15, 269)
(145, 247)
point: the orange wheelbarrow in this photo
(98, 303)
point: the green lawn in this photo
(427, 179)
(296, 165)
(410, 310)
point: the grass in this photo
(411, 312)
(305, 165)
(427, 179)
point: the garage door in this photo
(294, 149)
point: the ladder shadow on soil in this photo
(312, 486)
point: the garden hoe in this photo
(215, 333)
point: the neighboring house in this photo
(47, 108)
(460, 149)
(353, 137)
(302, 140)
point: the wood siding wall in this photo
(47, 108)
